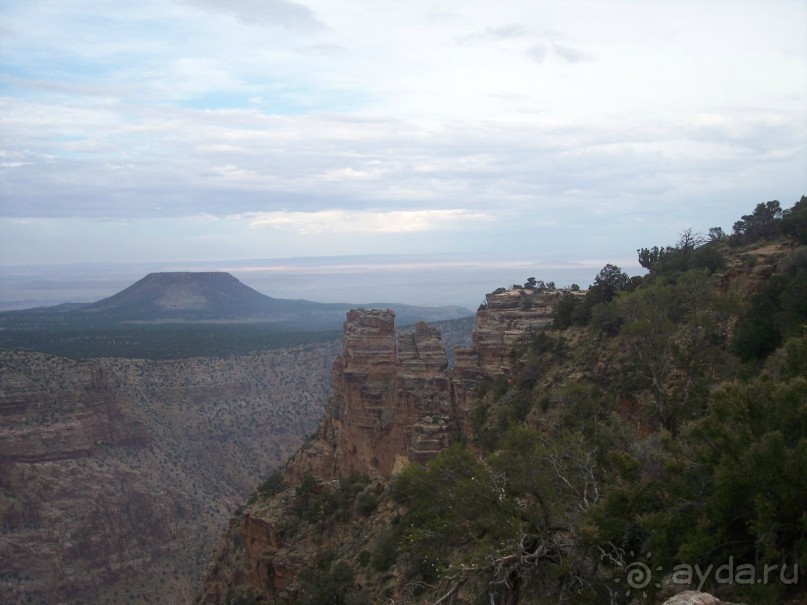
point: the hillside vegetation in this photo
(655, 439)
(158, 341)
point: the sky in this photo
(211, 130)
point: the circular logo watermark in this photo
(638, 576)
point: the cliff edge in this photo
(394, 402)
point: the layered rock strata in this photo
(39, 426)
(391, 401)
(394, 398)
(394, 401)
(501, 323)
(116, 474)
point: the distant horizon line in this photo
(458, 259)
(450, 279)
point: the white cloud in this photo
(513, 111)
(538, 51)
(570, 53)
(366, 221)
(267, 12)
(509, 31)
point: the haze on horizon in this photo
(420, 280)
(193, 130)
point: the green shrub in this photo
(777, 312)
(366, 503)
(331, 587)
(384, 552)
(273, 484)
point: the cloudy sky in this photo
(187, 130)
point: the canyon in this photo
(394, 401)
(116, 475)
(510, 475)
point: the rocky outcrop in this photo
(394, 402)
(253, 552)
(746, 273)
(394, 398)
(391, 401)
(502, 322)
(424, 394)
(691, 597)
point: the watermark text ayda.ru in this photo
(640, 575)
(729, 573)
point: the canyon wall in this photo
(117, 476)
(390, 402)
(394, 401)
(394, 398)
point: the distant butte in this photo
(207, 297)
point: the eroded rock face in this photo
(116, 474)
(391, 401)
(424, 394)
(394, 398)
(503, 321)
(72, 422)
(394, 401)
(362, 406)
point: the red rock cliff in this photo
(394, 401)
(394, 398)
(391, 401)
